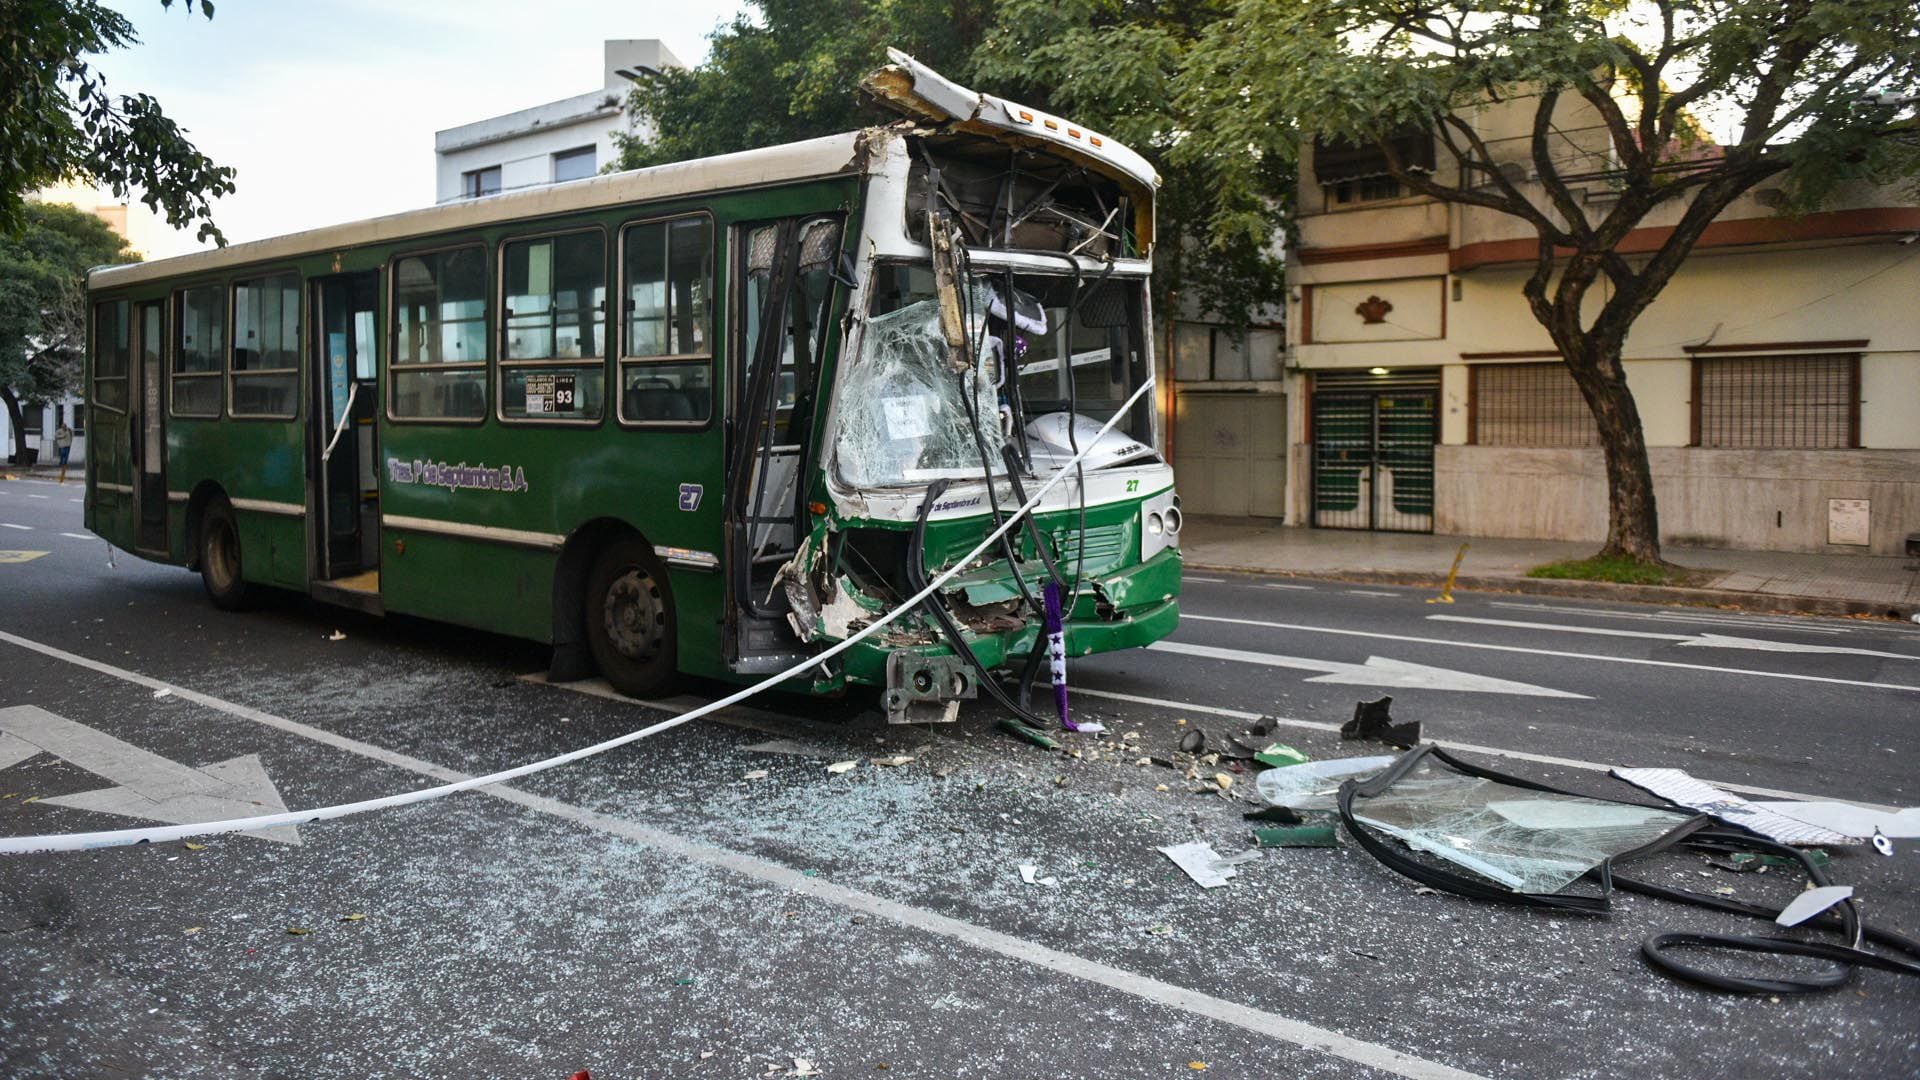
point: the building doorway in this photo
(1373, 439)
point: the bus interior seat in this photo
(659, 403)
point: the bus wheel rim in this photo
(634, 617)
(225, 568)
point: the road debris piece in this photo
(1677, 787)
(163, 692)
(790, 746)
(895, 761)
(1311, 785)
(1529, 841)
(1019, 730)
(1851, 820)
(1193, 741)
(1743, 861)
(1811, 903)
(755, 774)
(1158, 930)
(803, 1067)
(1222, 781)
(337, 635)
(839, 767)
(1208, 868)
(1278, 815)
(1312, 835)
(1372, 723)
(1030, 874)
(1280, 756)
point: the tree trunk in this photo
(16, 421)
(1633, 521)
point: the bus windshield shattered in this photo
(1047, 348)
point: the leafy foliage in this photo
(43, 304)
(59, 120)
(790, 71)
(1820, 93)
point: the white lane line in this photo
(77, 536)
(1277, 585)
(1473, 748)
(76, 500)
(11, 525)
(1801, 625)
(31, 495)
(1208, 580)
(1146, 988)
(1755, 673)
(1702, 640)
(1370, 592)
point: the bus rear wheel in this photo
(220, 560)
(630, 627)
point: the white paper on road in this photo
(1207, 867)
(1675, 786)
(1811, 903)
(1852, 820)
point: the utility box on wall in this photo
(1849, 521)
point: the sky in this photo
(327, 110)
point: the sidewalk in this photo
(1759, 580)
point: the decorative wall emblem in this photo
(1373, 310)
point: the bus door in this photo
(147, 430)
(346, 486)
(782, 309)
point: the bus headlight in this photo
(1159, 524)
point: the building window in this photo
(1358, 172)
(555, 311)
(1529, 405)
(112, 352)
(576, 164)
(79, 423)
(199, 350)
(1778, 402)
(1206, 353)
(666, 365)
(264, 374)
(439, 357)
(31, 419)
(480, 182)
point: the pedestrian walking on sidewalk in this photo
(63, 441)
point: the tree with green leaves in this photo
(43, 304)
(59, 121)
(1818, 93)
(789, 71)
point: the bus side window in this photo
(264, 377)
(199, 350)
(438, 365)
(554, 317)
(666, 356)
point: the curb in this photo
(1770, 603)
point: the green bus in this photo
(705, 418)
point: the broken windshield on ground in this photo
(903, 415)
(1529, 841)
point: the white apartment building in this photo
(562, 140)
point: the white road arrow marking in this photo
(1377, 671)
(1704, 641)
(149, 786)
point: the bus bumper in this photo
(1125, 609)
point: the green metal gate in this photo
(1373, 458)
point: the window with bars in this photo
(1778, 402)
(1534, 405)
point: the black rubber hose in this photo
(917, 579)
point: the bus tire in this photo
(630, 627)
(220, 559)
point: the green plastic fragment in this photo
(1296, 836)
(1280, 755)
(1817, 856)
(1037, 738)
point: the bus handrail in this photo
(346, 417)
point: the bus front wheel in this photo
(220, 560)
(630, 619)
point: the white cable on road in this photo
(24, 845)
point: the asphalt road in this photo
(653, 912)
